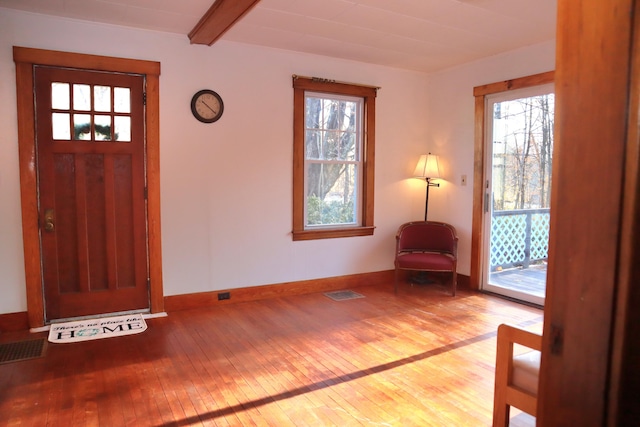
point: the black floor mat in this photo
(22, 350)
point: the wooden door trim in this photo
(588, 374)
(25, 59)
(624, 383)
(480, 93)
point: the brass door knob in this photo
(49, 224)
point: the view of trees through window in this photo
(332, 155)
(522, 152)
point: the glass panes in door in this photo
(518, 182)
(85, 112)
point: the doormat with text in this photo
(93, 329)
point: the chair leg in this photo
(454, 284)
(395, 285)
(501, 415)
(500, 408)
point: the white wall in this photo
(451, 131)
(226, 187)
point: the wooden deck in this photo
(418, 358)
(532, 280)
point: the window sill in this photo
(332, 233)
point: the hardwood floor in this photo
(419, 358)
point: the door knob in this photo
(49, 224)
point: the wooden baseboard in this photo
(203, 299)
(11, 322)
(254, 293)
(20, 321)
(464, 282)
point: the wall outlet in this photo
(463, 180)
(224, 295)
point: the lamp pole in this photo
(427, 169)
(426, 199)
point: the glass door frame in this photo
(487, 182)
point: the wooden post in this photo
(594, 220)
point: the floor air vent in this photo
(343, 295)
(22, 350)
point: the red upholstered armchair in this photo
(427, 246)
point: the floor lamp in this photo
(427, 169)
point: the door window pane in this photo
(81, 97)
(122, 100)
(102, 128)
(82, 127)
(102, 98)
(122, 128)
(519, 158)
(60, 96)
(107, 112)
(522, 150)
(60, 126)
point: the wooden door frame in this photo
(480, 93)
(589, 374)
(25, 59)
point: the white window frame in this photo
(363, 226)
(359, 101)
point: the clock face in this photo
(207, 106)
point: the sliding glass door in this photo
(519, 148)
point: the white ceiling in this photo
(422, 35)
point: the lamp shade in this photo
(427, 167)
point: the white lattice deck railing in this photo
(519, 237)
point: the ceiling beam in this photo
(220, 17)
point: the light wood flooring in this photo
(418, 358)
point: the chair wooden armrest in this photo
(516, 382)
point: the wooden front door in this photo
(91, 191)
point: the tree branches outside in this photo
(332, 156)
(522, 153)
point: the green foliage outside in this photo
(85, 129)
(323, 212)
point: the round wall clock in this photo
(207, 106)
